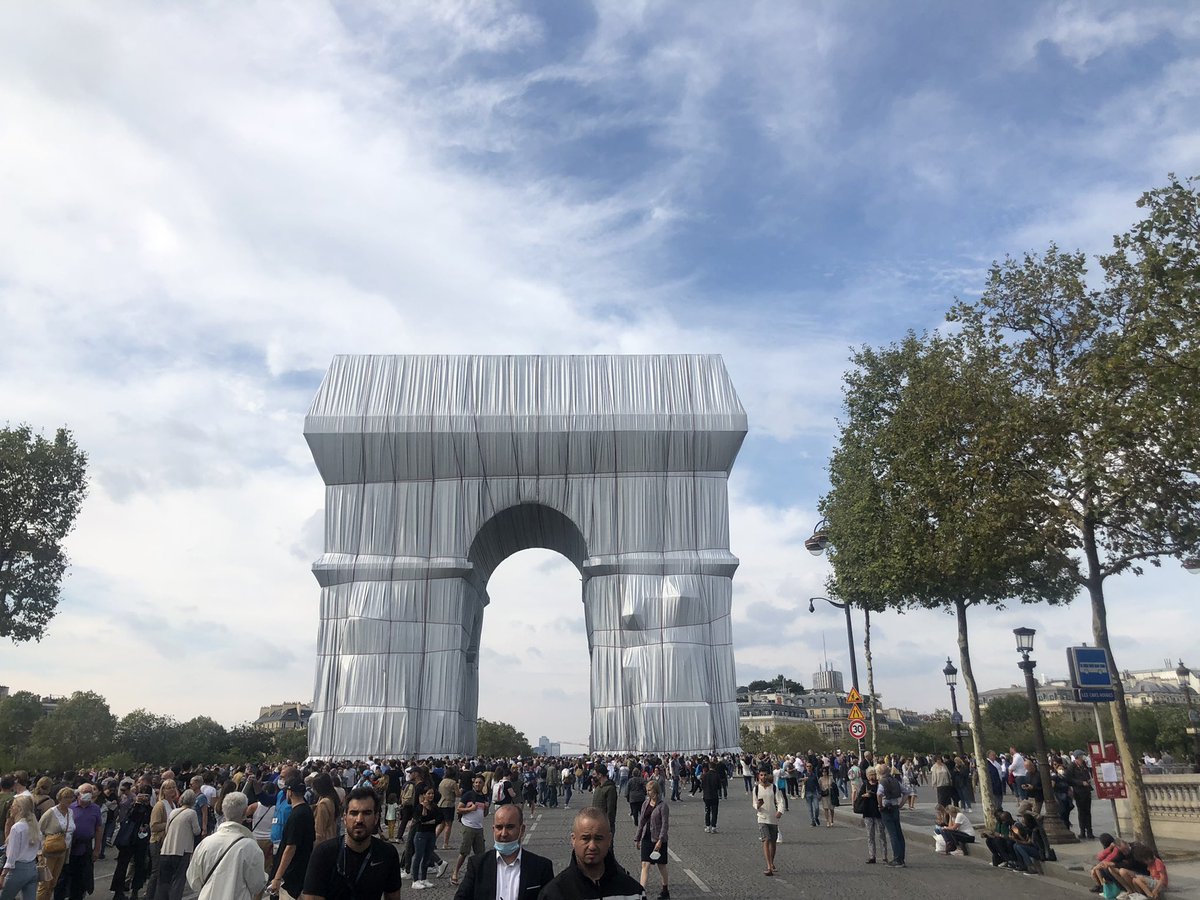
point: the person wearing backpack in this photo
(891, 795)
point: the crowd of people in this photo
(271, 828)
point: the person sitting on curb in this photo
(958, 832)
(1111, 852)
(1152, 882)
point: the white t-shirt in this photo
(1017, 766)
(963, 825)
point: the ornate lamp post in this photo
(951, 674)
(1056, 831)
(1183, 673)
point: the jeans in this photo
(710, 813)
(875, 832)
(814, 807)
(891, 822)
(675, 787)
(567, 794)
(422, 851)
(21, 881)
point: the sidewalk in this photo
(1074, 860)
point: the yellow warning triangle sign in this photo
(856, 713)
(854, 696)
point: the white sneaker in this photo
(420, 885)
(707, 829)
(404, 874)
(441, 869)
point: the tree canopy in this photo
(42, 486)
(1113, 366)
(501, 739)
(773, 684)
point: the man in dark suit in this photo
(508, 871)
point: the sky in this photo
(202, 203)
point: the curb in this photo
(981, 856)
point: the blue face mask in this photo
(506, 848)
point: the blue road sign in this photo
(1090, 668)
(1095, 695)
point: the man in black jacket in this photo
(592, 871)
(520, 874)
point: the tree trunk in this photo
(1129, 762)
(870, 679)
(977, 736)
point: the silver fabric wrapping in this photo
(437, 468)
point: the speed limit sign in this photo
(858, 730)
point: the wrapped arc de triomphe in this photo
(437, 468)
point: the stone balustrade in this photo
(1174, 805)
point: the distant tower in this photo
(828, 679)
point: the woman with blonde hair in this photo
(652, 835)
(58, 829)
(19, 876)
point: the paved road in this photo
(825, 863)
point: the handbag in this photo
(124, 833)
(55, 843)
(44, 874)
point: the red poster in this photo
(1107, 772)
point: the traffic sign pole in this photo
(1100, 735)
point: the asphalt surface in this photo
(828, 863)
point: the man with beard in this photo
(359, 866)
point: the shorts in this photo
(471, 843)
(648, 848)
(769, 833)
(1151, 883)
(447, 813)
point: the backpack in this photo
(408, 796)
(891, 788)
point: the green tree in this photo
(501, 739)
(146, 736)
(794, 687)
(42, 485)
(1116, 366)
(19, 712)
(292, 743)
(753, 742)
(935, 489)
(76, 734)
(200, 739)
(245, 742)
(1007, 714)
(795, 739)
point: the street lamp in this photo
(1192, 565)
(850, 643)
(817, 543)
(1184, 674)
(1056, 831)
(951, 674)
